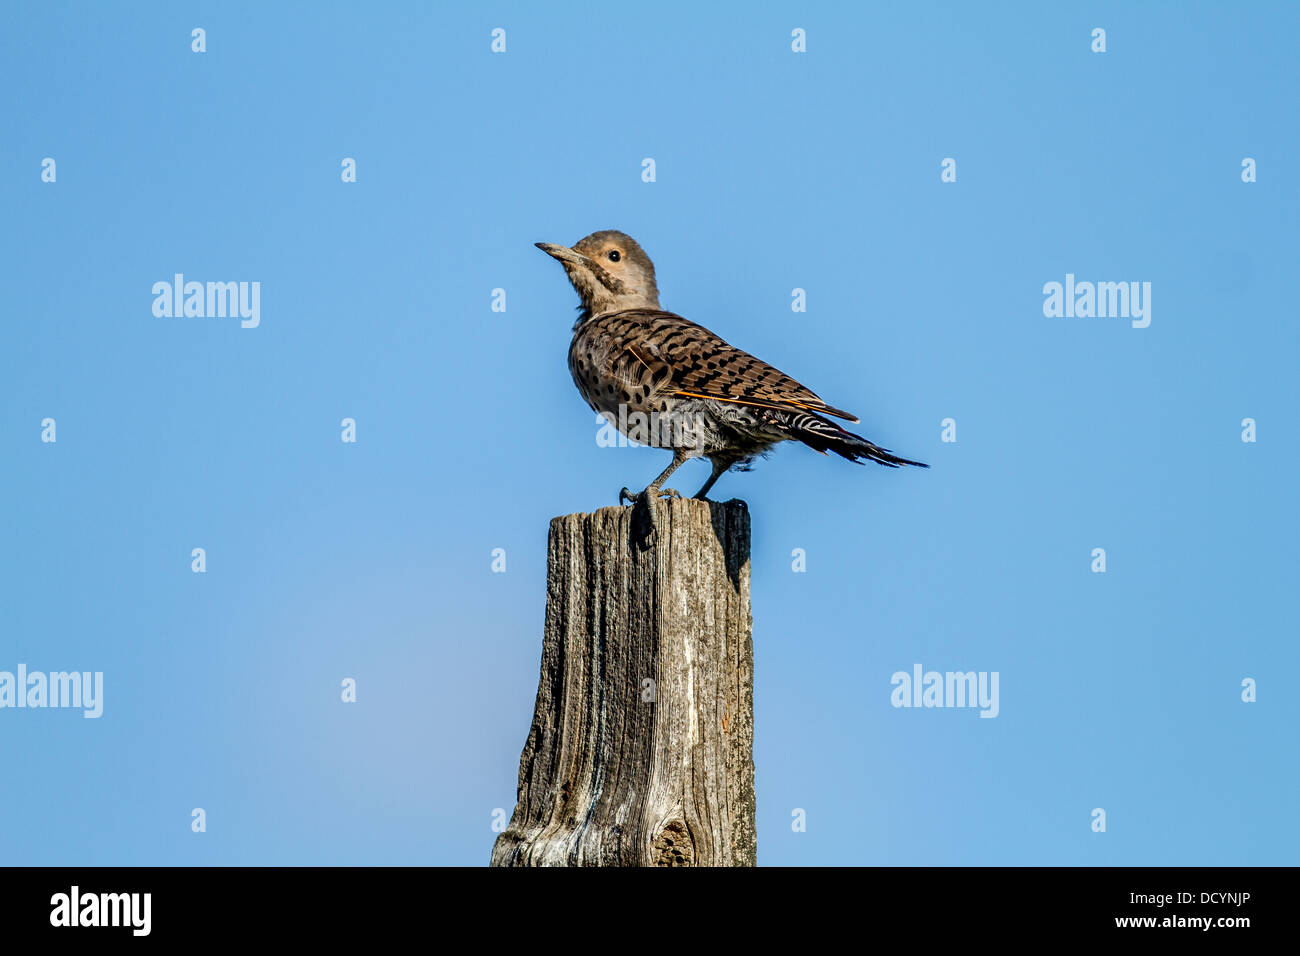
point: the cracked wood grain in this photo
(641, 746)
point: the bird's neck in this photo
(600, 305)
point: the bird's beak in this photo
(563, 253)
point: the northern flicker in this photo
(665, 381)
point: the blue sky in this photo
(774, 171)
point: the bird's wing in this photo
(688, 360)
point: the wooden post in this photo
(641, 747)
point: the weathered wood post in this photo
(641, 747)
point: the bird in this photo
(665, 381)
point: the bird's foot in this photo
(626, 496)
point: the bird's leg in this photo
(680, 457)
(720, 465)
(655, 489)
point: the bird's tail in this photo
(823, 435)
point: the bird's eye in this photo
(613, 255)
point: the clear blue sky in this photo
(775, 170)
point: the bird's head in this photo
(609, 270)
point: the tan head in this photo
(609, 270)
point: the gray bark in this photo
(641, 747)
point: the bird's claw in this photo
(626, 496)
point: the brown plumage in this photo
(666, 381)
